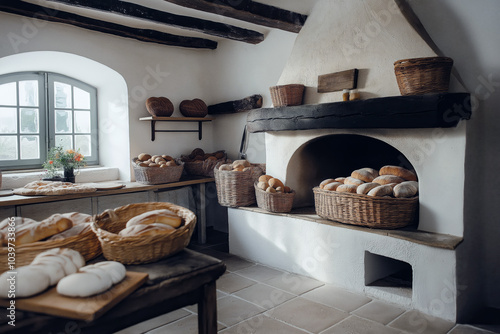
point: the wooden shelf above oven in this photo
(442, 110)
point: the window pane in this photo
(65, 141)
(62, 95)
(30, 148)
(8, 94)
(83, 143)
(82, 121)
(82, 98)
(8, 120)
(8, 147)
(63, 121)
(29, 121)
(28, 93)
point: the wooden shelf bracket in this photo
(199, 120)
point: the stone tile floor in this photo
(253, 298)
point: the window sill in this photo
(92, 174)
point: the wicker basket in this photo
(287, 95)
(274, 202)
(363, 210)
(86, 244)
(141, 249)
(423, 75)
(236, 189)
(157, 175)
(202, 167)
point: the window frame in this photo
(47, 108)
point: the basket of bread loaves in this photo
(144, 232)
(235, 182)
(31, 237)
(273, 195)
(156, 169)
(202, 164)
(385, 198)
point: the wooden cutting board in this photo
(89, 308)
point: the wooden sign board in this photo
(334, 82)
(89, 308)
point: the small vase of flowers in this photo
(67, 160)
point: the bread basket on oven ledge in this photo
(364, 210)
(141, 249)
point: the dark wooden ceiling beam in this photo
(185, 22)
(144, 35)
(249, 11)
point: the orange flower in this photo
(51, 162)
(70, 151)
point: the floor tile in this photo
(187, 325)
(264, 295)
(379, 311)
(230, 283)
(259, 273)
(336, 297)
(235, 263)
(194, 308)
(293, 283)
(307, 315)
(417, 322)
(355, 324)
(155, 322)
(464, 329)
(262, 324)
(232, 310)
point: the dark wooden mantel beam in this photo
(144, 35)
(249, 11)
(185, 22)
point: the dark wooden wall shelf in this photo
(443, 110)
(154, 119)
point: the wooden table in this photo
(183, 279)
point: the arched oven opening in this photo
(334, 156)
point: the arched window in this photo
(39, 110)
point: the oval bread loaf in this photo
(46, 228)
(325, 182)
(386, 179)
(29, 280)
(365, 174)
(366, 187)
(403, 173)
(275, 183)
(380, 191)
(353, 181)
(265, 178)
(406, 189)
(146, 230)
(332, 186)
(162, 216)
(347, 188)
(340, 179)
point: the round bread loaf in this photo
(386, 179)
(406, 189)
(162, 216)
(275, 183)
(325, 182)
(403, 173)
(265, 178)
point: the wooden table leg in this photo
(207, 310)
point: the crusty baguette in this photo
(37, 231)
(162, 216)
(146, 230)
(403, 173)
(75, 230)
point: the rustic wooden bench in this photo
(183, 279)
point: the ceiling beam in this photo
(185, 22)
(144, 35)
(249, 11)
